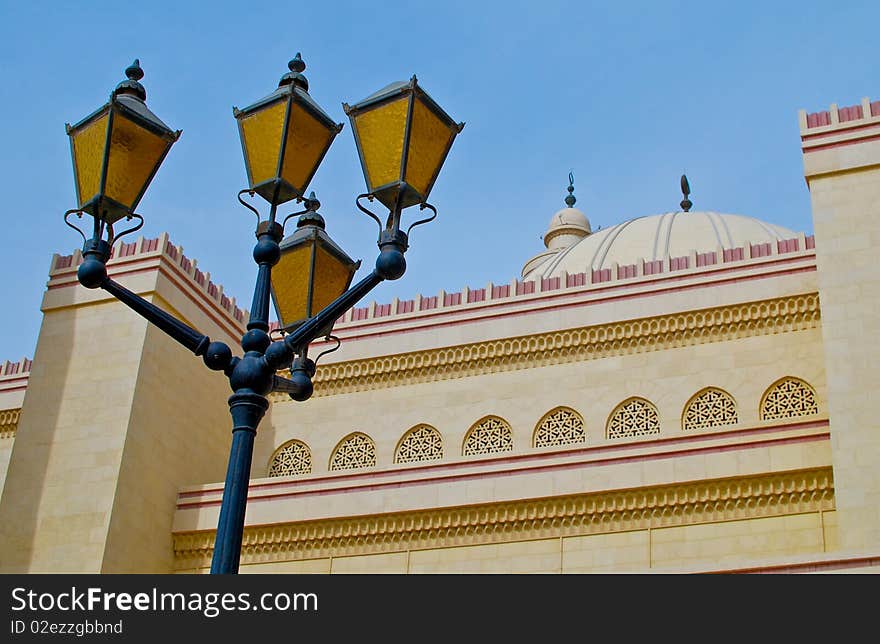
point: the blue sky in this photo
(627, 95)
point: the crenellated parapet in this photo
(633, 274)
(835, 116)
(159, 252)
(840, 139)
(13, 382)
(19, 369)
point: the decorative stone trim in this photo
(793, 313)
(9, 422)
(709, 501)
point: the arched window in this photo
(488, 436)
(353, 452)
(561, 426)
(710, 407)
(788, 398)
(421, 443)
(293, 457)
(633, 417)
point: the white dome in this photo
(672, 234)
(569, 217)
(567, 227)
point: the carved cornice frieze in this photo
(9, 422)
(718, 324)
(709, 501)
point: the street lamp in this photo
(403, 138)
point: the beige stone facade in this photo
(703, 406)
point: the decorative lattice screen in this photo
(489, 436)
(294, 457)
(710, 408)
(421, 443)
(560, 427)
(634, 417)
(789, 398)
(355, 452)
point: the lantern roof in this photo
(293, 82)
(401, 87)
(311, 226)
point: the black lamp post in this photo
(403, 138)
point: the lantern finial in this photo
(297, 64)
(295, 76)
(131, 86)
(311, 216)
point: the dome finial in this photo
(685, 190)
(570, 200)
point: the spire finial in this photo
(296, 66)
(134, 71)
(685, 190)
(570, 200)
(311, 216)
(131, 85)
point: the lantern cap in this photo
(295, 76)
(311, 216)
(131, 86)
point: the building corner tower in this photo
(841, 154)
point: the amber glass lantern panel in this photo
(381, 132)
(134, 156)
(87, 144)
(332, 278)
(429, 141)
(307, 141)
(261, 134)
(291, 278)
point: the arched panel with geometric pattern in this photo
(709, 407)
(355, 451)
(293, 457)
(633, 417)
(788, 397)
(560, 426)
(489, 435)
(421, 443)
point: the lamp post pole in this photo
(131, 143)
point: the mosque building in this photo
(685, 392)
